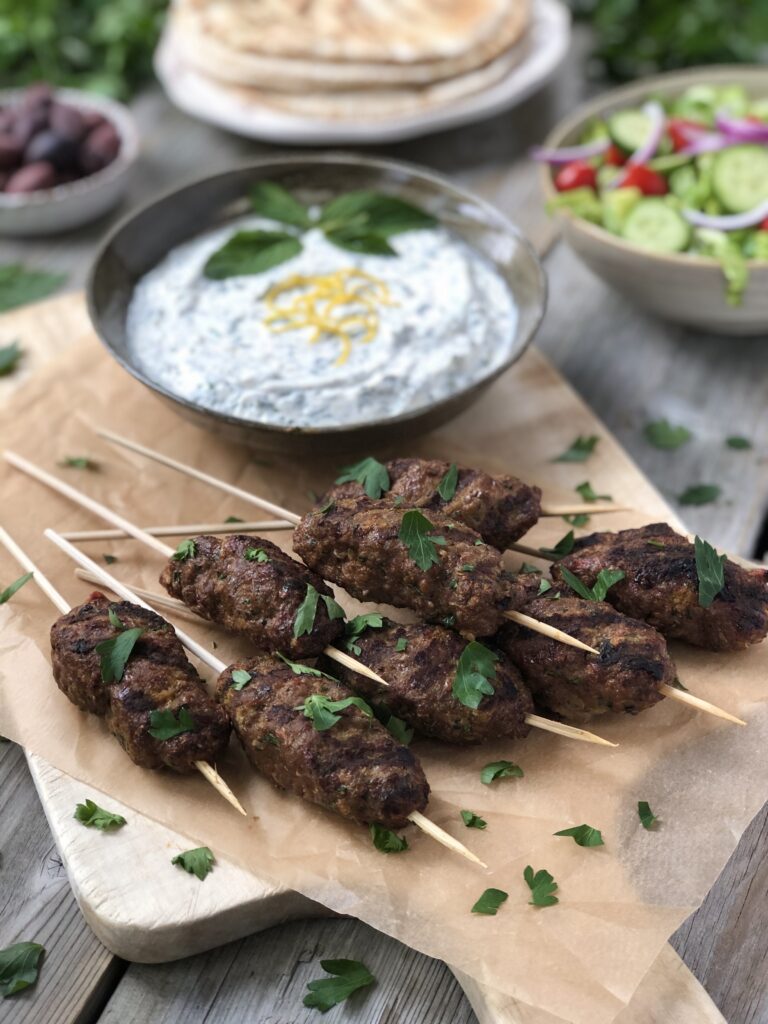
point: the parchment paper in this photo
(579, 961)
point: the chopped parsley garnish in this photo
(468, 567)
(415, 534)
(256, 555)
(588, 494)
(370, 473)
(563, 547)
(20, 284)
(544, 586)
(305, 616)
(326, 507)
(114, 620)
(646, 815)
(240, 679)
(12, 588)
(198, 862)
(737, 443)
(583, 835)
(387, 841)
(580, 450)
(661, 434)
(527, 567)
(500, 770)
(349, 976)
(234, 519)
(399, 729)
(355, 628)
(299, 669)
(164, 725)
(187, 549)
(472, 820)
(700, 494)
(93, 816)
(322, 711)
(606, 578)
(447, 486)
(9, 357)
(578, 519)
(115, 652)
(19, 965)
(656, 544)
(542, 886)
(402, 644)
(110, 559)
(475, 668)
(490, 902)
(79, 462)
(710, 571)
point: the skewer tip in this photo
(443, 837)
(212, 776)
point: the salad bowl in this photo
(695, 288)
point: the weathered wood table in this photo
(631, 370)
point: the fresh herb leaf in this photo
(9, 357)
(471, 820)
(679, 686)
(469, 567)
(656, 544)
(326, 507)
(399, 729)
(710, 571)
(387, 841)
(304, 622)
(251, 252)
(447, 486)
(606, 578)
(110, 559)
(355, 628)
(646, 815)
(375, 212)
(12, 588)
(115, 652)
(415, 534)
(588, 494)
(500, 770)
(372, 474)
(19, 965)
(580, 450)
(563, 547)
(198, 862)
(402, 644)
(334, 609)
(322, 711)
(739, 443)
(114, 620)
(542, 886)
(164, 725)
(661, 434)
(544, 586)
(234, 519)
(187, 549)
(256, 555)
(358, 239)
(490, 902)
(240, 679)
(93, 816)
(699, 494)
(527, 567)
(349, 976)
(19, 285)
(583, 835)
(475, 668)
(303, 670)
(273, 201)
(578, 519)
(79, 462)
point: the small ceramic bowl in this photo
(52, 210)
(144, 238)
(684, 288)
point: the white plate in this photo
(545, 45)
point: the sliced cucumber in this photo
(671, 162)
(740, 177)
(617, 206)
(654, 224)
(629, 129)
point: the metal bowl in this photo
(143, 238)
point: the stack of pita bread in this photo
(350, 60)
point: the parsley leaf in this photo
(447, 486)
(563, 547)
(542, 886)
(11, 589)
(544, 586)
(115, 652)
(490, 902)
(79, 462)
(661, 434)
(234, 519)
(710, 571)
(399, 729)
(9, 357)
(114, 619)
(18, 285)
(402, 644)
(414, 533)
(588, 494)
(334, 609)
(187, 549)
(387, 841)
(646, 815)
(197, 862)
(19, 965)
(583, 835)
(321, 710)
(110, 559)
(500, 770)
(579, 519)
(476, 666)
(305, 616)
(527, 567)
(240, 679)
(251, 252)
(274, 202)
(164, 725)
(303, 670)
(355, 628)
(471, 820)
(699, 494)
(580, 450)
(606, 578)
(349, 976)
(738, 443)
(370, 473)
(656, 544)
(256, 555)
(93, 816)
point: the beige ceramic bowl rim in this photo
(628, 94)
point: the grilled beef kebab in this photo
(156, 677)
(661, 586)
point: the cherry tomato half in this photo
(649, 182)
(614, 157)
(763, 226)
(576, 174)
(676, 129)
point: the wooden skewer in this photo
(588, 508)
(218, 666)
(561, 729)
(554, 634)
(183, 530)
(207, 770)
(683, 697)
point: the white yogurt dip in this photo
(449, 319)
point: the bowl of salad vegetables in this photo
(662, 186)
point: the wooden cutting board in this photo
(139, 922)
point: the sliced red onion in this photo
(569, 153)
(741, 129)
(655, 113)
(709, 142)
(729, 222)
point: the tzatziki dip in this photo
(329, 337)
